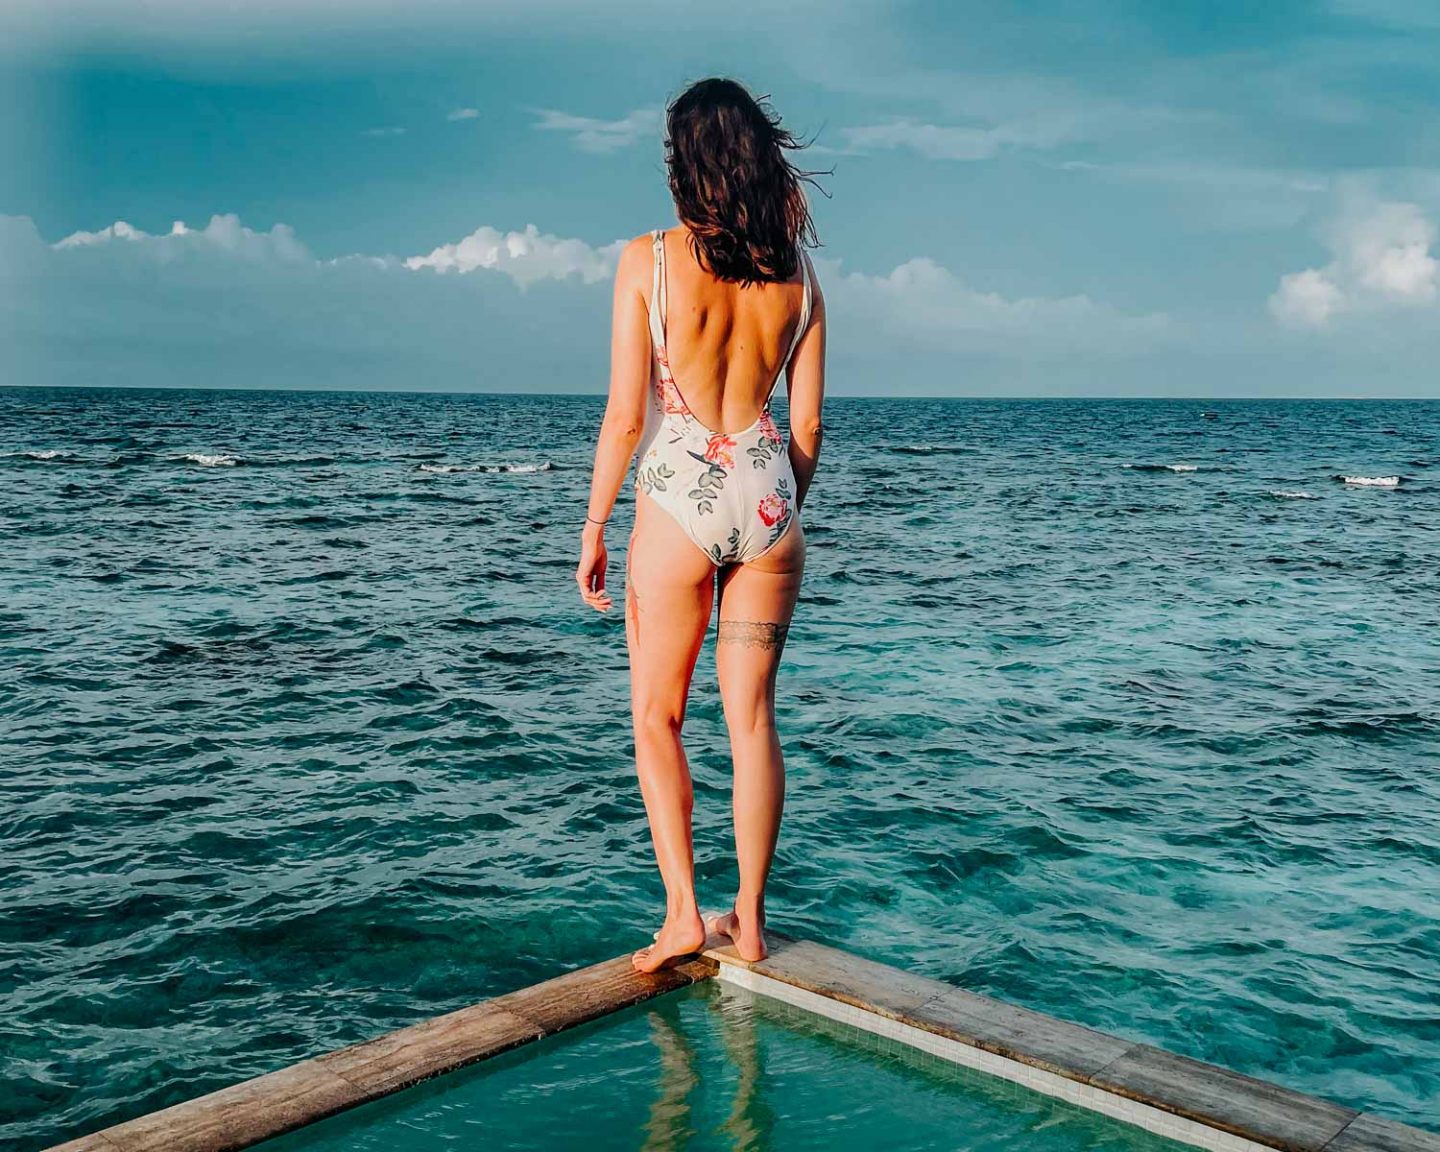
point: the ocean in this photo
(1127, 711)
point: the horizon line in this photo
(1197, 397)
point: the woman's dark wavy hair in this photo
(734, 185)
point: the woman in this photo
(707, 317)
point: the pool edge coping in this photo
(1134, 1083)
(276, 1103)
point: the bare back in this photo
(726, 343)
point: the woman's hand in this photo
(590, 575)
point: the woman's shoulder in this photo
(635, 257)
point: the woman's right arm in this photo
(624, 415)
(807, 396)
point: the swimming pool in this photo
(714, 1066)
(927, 1024)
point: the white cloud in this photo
(958, 141)
(933, 141)
(920, 300)
(224, 233)
(117, 231)
(1306, 298)
(1228, 197)
(1381, 260)
(525, 256)
(464, 114)
(602, 136)
(227, 305)
(1388, 252)
(927, 304)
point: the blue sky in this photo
(1089, 197)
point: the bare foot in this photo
(676, 938)
(748, 935)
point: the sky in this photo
(1090, 197)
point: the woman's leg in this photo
(668, 596)
(756, 603)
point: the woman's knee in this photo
(749, 714)
(658, 719)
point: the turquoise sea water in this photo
(306, 735)
(716, 1069)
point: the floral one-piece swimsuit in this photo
(732, 492)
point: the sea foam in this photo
(219, 460)
(544, 466)
(1371, 481)
(42, 454)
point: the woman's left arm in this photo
(624, 414)
(807, 397)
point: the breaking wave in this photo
(544, 466)
(1371, 481)
(43, 454)
(206, 460)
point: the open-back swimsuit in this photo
(732, 492)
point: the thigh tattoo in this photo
(752, 634)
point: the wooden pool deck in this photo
(1199, 1104)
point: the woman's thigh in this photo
(669, 592)
(757, 601)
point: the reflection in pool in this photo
(716, 1067)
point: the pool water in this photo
(718, 1067)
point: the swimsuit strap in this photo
(805, 302)
(657, 289)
